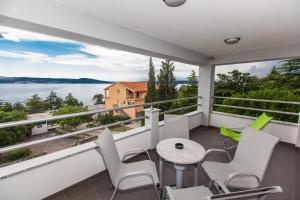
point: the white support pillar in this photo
(298, 139)
(206, 91)
(151, 122)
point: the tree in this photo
(151, 95)
(9, 136)
(19, 107)
(235, 82)
(71, 123)
(35, 104)
(166, 84)
(98, 99)
(6, 107)
(187, 90)
(72, 101)
(53, 101)
(290, 66)
(272, 94)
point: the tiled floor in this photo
(284, 170)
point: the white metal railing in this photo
(259, 100)
(178, 109)
(258, 109)
(92, 112)
(75, 133)
(66, 135)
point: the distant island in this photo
(29, 80)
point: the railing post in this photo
(151, 122)
(298, 139)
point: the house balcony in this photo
(193, 34)
(79, 172)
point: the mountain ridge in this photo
(28, 80)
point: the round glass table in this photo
(181, 152)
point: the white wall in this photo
(36, 130)
(40, 177)
(287, 132)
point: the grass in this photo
(119, 128)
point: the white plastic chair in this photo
(247, 169)
(125, 176)
(176, 126)
(203, 193)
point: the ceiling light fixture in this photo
(231, 41)
(174, 3)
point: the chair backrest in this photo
(261, 121)
(176, 126)
(255, 150)
(109, 154)
(258, 193)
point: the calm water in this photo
(20, 92)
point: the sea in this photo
(21, 92)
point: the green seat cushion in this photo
(226, 132)
(261, 121)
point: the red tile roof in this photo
(134, 86)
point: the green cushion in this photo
(261, 121)
(226, 132)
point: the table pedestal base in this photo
(179, 175)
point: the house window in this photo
(107, 93)
(137, 95)
(118, 91)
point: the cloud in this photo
(115, 64)
(259, 69)
(17, 35)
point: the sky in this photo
(30, 54)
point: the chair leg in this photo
(210, 182)
(160, 173)
(113, 195)
(156, 192)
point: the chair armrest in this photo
(234, 175)
(221, 185)
(238, 129)
(170, 193)
(211, 151)
(135, 152)
(135, 174)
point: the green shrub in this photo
(73, 122)
(9, 136)
(17, 154)
(108, 118)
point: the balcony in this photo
(79, 172)
(188, 34)
(286, 159)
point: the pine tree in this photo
(53, 101)
(167, 83)
(151, 84)
(192, 85)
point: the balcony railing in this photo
(92, 112)
(292, 103)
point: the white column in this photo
(151, 122)
(298, 139)
(206, 91)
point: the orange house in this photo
(125, 94)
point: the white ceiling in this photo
(202, 25)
